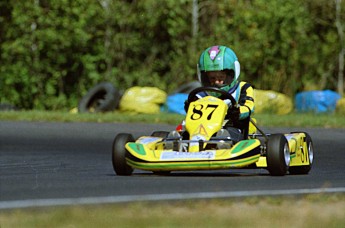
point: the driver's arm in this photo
(246, 100)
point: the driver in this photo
(219, 67)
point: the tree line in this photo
(54, 51)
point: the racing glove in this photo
(233, 114)
(186, 105)
(228, 102)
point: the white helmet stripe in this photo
(237, 70)
(198, 72)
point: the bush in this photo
(53, 52)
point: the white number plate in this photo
(173, 155)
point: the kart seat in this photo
(235, 134)
(242, 125)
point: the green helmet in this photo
(219, 58)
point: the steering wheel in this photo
(223, 94)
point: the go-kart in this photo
(208, 142)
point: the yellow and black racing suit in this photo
(244, 95)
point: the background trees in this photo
(53, 51)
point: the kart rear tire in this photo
(278, 155)
(298, 170)
(119, 154)
(101, 98)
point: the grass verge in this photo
(266, 120)
(321, 210)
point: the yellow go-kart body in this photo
(206, 145)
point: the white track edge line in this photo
(156, 197)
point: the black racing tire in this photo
(119, 154)
(298, 170)
(101, 98)
(8, 107)
(161, 134)
(278, 155)
(188, 87)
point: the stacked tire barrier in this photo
(317, 101)
(340, 107)
(101, 98)
(105, 97)
(142, 100)
(268, 101)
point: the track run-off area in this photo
(47, 164)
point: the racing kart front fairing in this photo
(206, 144)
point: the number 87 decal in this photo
(198, 111)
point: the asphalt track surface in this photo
(65, 163)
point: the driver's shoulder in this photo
(242, 83)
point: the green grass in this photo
(289, 211)
(266, 120)
(108, 117)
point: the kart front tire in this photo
(278, 155)
(297, 170)
(119, 154)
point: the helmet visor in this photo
(216, 78)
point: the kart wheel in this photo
(120, 153)
(306, 168)
(278, 155)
